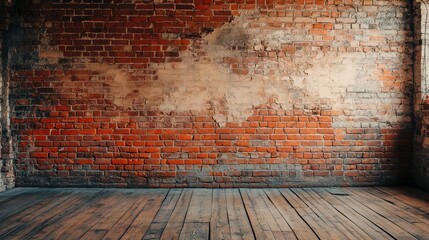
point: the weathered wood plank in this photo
(19, 222)
(122, 225)
(12, 194)
(23, 201)
(36, 221)
(79, 224)
(411, 196)
(389, 211)
(347, 213)
(297, 224)
(105, 222)
(239, 223)
(175, 223)
(194, 231)
(200, 207)
(141, 223)
(154, 230)
(372, 230)
(168, 206)
(321, 229)
(383, 223)
(58, 222)
(326, 216)
(219, 227)
(160, 221)
(404, 206)
(275, 220)
(260, 226)
(340, 221)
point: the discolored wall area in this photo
(7, 176)
(421, 99)
(210, 93)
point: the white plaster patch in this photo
(203, 81)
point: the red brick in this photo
(119, 161)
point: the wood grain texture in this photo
(299, 213)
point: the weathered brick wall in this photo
(212, 93)
(2, 177)
(421, 99)
(6, 161)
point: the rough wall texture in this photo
(7, 179)
(421, 100)
(212, 93)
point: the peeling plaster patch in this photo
(333, 76)
(203, 81)
(50, 53)
(202, 86)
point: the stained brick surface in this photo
(212, 93)
(7, 176)
(421, 99)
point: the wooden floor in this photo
(310, 213)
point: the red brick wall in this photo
(212, 93)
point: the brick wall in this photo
(421, 99)
(212, 93)
(6, 161)
(2, 177)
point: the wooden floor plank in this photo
(160, 221)
(259, 224)
(143, 220)
(343, 223)
(12, 194)
(219, 227)
(200, 206)
(61, 221)
(105, 226)
(154, 231)
(409, 213)
(413, 197)
(297, 224)
(383, 223)
(17, 223)
(276, 221)
(105, 222)
(36, 221)
(122, 225)
(239, 223)
(331, 222)
(168, 206)
(409, 191)
(194, 231)
(78, 225)
(175, 223)
(403, 206)
(305, 213)
(321, 229)
(23, 201)
(389, 211)
(372, 230)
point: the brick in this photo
(177, 90)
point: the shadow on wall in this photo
(7, 177)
